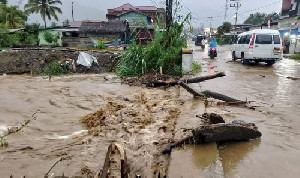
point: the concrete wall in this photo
(135, 19)
(42, 40)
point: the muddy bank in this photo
(35, 61)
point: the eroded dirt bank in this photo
(35, 61)
(142, 120)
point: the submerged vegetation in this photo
(163, 52)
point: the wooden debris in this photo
(238, 130)
(115, 164)
(159, 83)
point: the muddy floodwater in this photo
(148, 119)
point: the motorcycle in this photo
(212, 53)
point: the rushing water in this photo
(277, 153)
(57, 131)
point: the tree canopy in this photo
(11, 17)
(259, 18)
(225, 28)
(46, 8)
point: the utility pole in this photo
(226, 9)
(236, 5)
(210, 25)
(169, 7)
(73, 11)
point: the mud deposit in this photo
(141, 120)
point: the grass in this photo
(196, 68)
(295, 56)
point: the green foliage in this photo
(100, 45)
(11, 17)
(18, 38)
(46, 8)
(55, 69)
(131, 63)
(3, 2)
(51, 38)
(225, 28)
(196, 68)
(259, 18)
(295, 56)
(164, 51)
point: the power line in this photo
(262, 7)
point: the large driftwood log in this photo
(115, 164)
(236, 131)
(219, 96)
(208, 93)
(158, 83)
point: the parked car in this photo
(264, 45)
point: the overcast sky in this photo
(200, 9)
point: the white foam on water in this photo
(73, 135)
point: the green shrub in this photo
(295, 56)
(55, 69)
(100, 45)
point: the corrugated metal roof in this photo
(127, 7)
(75, 24)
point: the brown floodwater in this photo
(57, 131)
(277, 101)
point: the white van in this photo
(262, 45)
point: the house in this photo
(105, 31)
(141, 20)
(53, 31)
(289, 23)
(151, 11)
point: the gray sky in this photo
(201, 9)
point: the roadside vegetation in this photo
(225, 28)
(295, 56)
(163, 52)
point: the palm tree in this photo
(11, 17)
(46, 8)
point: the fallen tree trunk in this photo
(159, 83)
(219, 96)
(208, 93)
(190, 90)
(236, 131)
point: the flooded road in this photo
(57, 131)
(277, 97)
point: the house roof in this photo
(135, 12)
(127, 7)
(75, 24)
(118, 26)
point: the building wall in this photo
(135, 19)
(42, 40)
